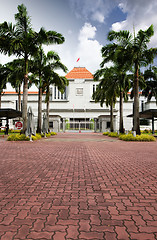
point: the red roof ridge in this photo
(79, 72)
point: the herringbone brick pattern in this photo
(78, 186)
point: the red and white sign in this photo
(19, 125)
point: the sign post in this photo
(18, 125)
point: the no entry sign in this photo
(18, 125)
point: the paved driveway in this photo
(78, 186)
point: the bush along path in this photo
(129, 137)
(23, 137)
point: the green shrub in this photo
(53, 133)
(2, 130)
(146, 131)
(48, 134)
(18, 137)
(128, 137)
(113, 134)
(36, 137)
(142, 137)
(67, 125)
(14, 131)
(106, 133)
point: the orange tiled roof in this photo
(11, 92)
(79, 72)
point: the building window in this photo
(95, 87)
(65, 93)
(79, 91)
(58, 94)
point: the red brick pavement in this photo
(78, 186)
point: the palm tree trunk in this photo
(48, 105)
(0, 99)
(121, 126)
(24, 106)
(39, 110)
(48, 111)
(25, 97)
(136, 121)
(111, 117)
(19, 98)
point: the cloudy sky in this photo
(84, 24)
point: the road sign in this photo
(19, 125)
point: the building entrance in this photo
(80, 124)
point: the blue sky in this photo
(84, 24)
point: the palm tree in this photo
(106, 91)
(135, 53)
(150, 90)
(15, 76)
(43, 75)
(123, 86)
(112, 53)
(39, 62)
(3, 80)
(22, 41)
(53, 78)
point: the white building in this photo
(76, 106)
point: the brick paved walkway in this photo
(78, 186)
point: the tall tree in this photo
(150, 90)
(43, 68)
(53, 78)
(112, 53)
(39, 63)
(106, 91)
(135, 53)
(3, 80)
(16, 70)
(21, 40)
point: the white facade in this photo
(76, 104)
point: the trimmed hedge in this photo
(18, 137)
(22, 137)
(49, 134)
(130, 137)
(53, 133)
(141, 138)
(106, 133)
(36, 137)
(113, 134)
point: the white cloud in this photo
(89, 49)
(98, 16)
(5, 59)
(96, 10)
(86, 32)
(140, 15)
